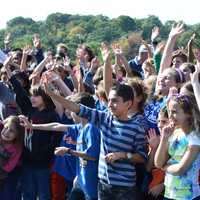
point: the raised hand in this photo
(27, 50)
(153, 139)
(176, 30)
(105, 51)
(94, 64)
(7, 39)
(160, 47)
(167, 131)
(155, 33)
(191, 39)
(25, 122)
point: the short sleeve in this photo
(193, 139)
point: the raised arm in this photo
(169, 47)
(74, 107)
(190, 55)
(195, 83)
(26, 51)
(107, 69)
(121, 60)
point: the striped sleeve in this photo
(94, 116)
(140, 142)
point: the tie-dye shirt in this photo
(185, 186)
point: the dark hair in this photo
(89, 52)
(163, 112)
(83, 98)
(179, 53)
(23, 76)
(98, 76)
(124, 91)
(139, 90)
(189, 66)
(39, 91)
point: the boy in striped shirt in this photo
(123, 142)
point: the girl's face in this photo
(162, 122)
(176, 114)
(165, 81)
(8, 133)
(37, 102)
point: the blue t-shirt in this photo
(88, 142)
(152, 110)
(136, 67)
(66, 165)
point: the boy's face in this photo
(117, 106)
(162, 122)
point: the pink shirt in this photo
(14, 159)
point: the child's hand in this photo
(153, 139)
(24, 122)
(167, 131)
(69, 140)
(156, 190)
(61, 151)
(112, 157)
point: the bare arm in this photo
(26, 51)
(107, 70)
(61, 151)
(190, 55)
(185, 163)
(169, 48)
(74, 107)
(162, 156)
(195, 83)
(54, 126)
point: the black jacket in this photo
(38, 145)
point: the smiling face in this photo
(8, 133)
(177, 115)
(165, 81)
(117, 106)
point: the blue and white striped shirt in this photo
(117, 136)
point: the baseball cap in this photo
(143, 48)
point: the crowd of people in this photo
(88, 130)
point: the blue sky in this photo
(188, 11)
